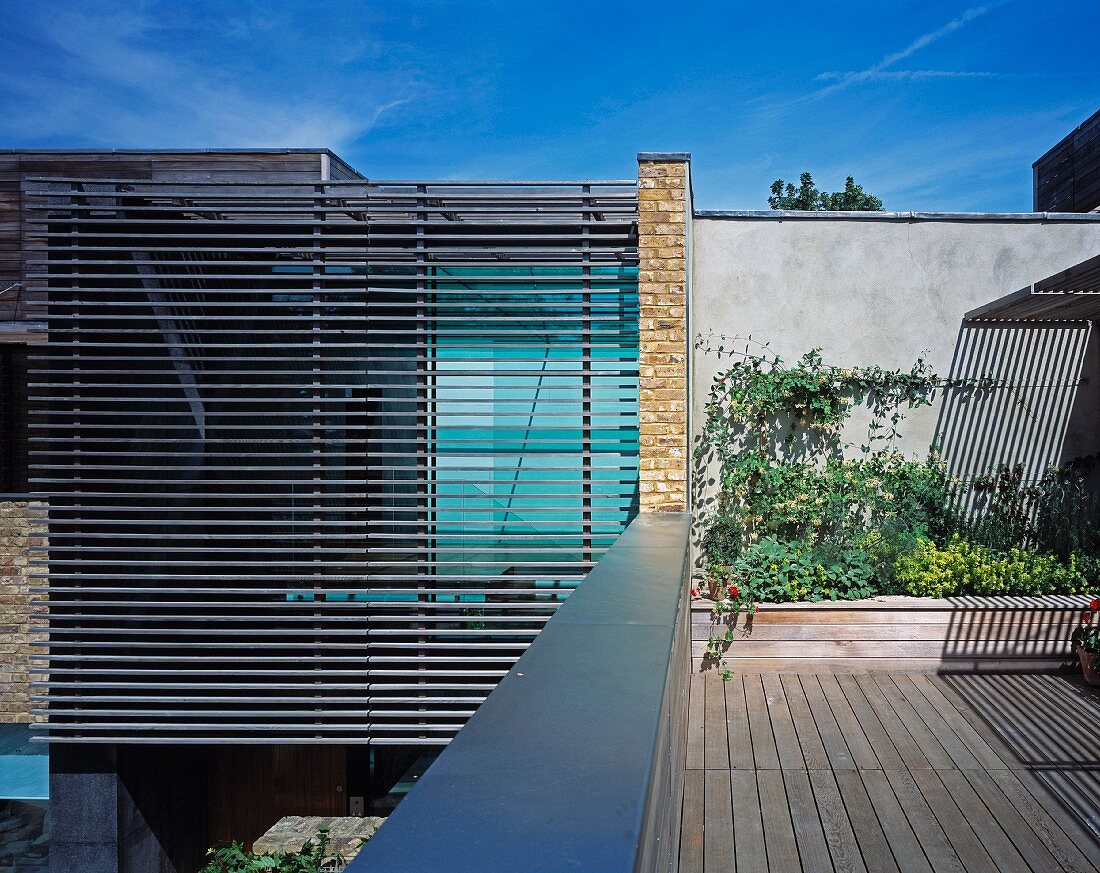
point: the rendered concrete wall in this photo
(880, 291)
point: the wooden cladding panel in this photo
(252, 787)
(11, 269)
(1067, 178)
(192, 167)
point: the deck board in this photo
(813, 752)
(779, 839)
(718, 821)
(886, 752)
(898, 830)
(832, 737)
(924, 738)
(786, 739)
(696, 728)
(953, 820)
(868, 831)
(808, 833)
(748, 825)
(839, 835)
(691, 824)
(715, 752)
(764, 752)
(906, 746)
(737, 726)
(892, 772)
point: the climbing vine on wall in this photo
(805, 512)
(766, 419)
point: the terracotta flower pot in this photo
(1090, 665)
(716, 585)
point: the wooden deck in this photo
(891, 772)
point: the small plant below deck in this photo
(314, 857)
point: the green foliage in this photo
(760, 408)
(800, 518)
(841, 500)
(727, 597)
(722, 540)
(776, 432)
(1067, 512)
(1087, 635)
(963, 568)
(232, 858)
(724, 591)
(1003, 517)
(1087, 638)
(884, 545)
(779, 571)
(808, 198)
(716, 646)
(1057, 514)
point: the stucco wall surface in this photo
(881, 291)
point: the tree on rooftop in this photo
(808, 198)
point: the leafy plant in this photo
(804, 515)
(807, 197)
(1087, 634)
(1067, 512)
(233, 858)
(726, 597)
(716, 646)
(779, 571)
(1005, 512)
(964, 568)
(884, 545)
(1056, 514)
(722, 540)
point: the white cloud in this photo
(108, 81)
(910, 75)
(875, 71)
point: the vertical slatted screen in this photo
(321, 460)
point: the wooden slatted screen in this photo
(322, 459)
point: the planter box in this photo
(894, 633)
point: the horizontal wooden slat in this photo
(388, 425)
(976, 633)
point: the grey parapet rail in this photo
(321, 459)
(575, 761)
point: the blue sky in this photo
(929, 104)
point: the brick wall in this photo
(16, 633)
(664, 204)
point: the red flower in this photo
(694, 592)
(1095, 604)
(1086, 618)
(756, 608)
(735, 591)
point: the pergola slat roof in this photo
(1071, 295)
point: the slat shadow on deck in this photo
(891, 772)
